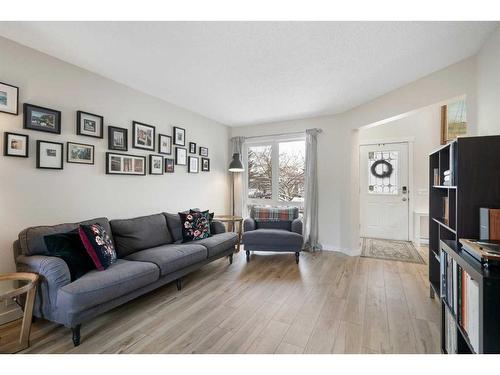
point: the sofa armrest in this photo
(217, 227)
(249, 224)
(54, 274)
(297, 225)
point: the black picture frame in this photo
(135, 141)
(151, 157)
(68, 160)
(192, 147)
(122, 156)
(99, 129)
(203, 167)
(6, 147)
(38, 154)
(160, 136)
(169, 165)
(16, 96)
(178, 150)
(28, 121)
(178, 130)
(203, 151)
(111, 132)
(190, 169)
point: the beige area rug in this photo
(402, 251)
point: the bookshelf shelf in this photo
(469, 294)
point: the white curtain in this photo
(310, 230)
(237, 178)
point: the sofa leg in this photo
(231, 259)
(297, 255)
(76, 334)
(178, 282)
(248, 255)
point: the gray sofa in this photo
(150, 254)
(281, 236)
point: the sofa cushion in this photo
(219, 243)
(171, 258)
(139, 233)
(273, 239)
(31, 240)
(175, 225)
(97, 287)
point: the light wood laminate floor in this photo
(329, 303)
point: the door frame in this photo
(409, 141)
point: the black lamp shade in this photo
(235, 165)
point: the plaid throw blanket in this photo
(274, 213)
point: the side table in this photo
(30, 290)
(232, 219)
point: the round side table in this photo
(30, 290)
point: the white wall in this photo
(30, 196)
(338, 165)
(423, 127)
(488, 86)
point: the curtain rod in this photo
(276, 134)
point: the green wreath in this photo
(384, 174)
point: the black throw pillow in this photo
(69, 247)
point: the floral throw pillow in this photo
(98, 245)
(195, 225)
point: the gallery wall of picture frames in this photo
(50, 155)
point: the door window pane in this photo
(291, 171)
(260, 172)
(383, 172)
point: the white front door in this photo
(384, 191)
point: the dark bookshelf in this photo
(474, 164)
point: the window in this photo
(383, 172)
(275, 172)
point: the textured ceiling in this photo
(242, 73)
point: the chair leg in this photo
(248, 255)
(76, 334)
(297, 255)
(231, 259)
(178, 283)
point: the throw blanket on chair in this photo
(260, 214)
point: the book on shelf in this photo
(436, 177)
(446, 210)
(461, 293)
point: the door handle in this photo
(404, 199)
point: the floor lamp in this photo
(235, 167)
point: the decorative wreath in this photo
(385, 173)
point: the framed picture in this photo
(16, 145)
(117, 138)
(9, 99)
(205, 165)
(453, 121)
(169, 165)
(179, 136)
(155, 164)
(49, 155)
(180, 156)
(164, 144)
(42, 119)
(204, 152)
(89, 124)
(194, 164)
(79, 153)
(192, 148)
(125, 164)
(143, 136)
